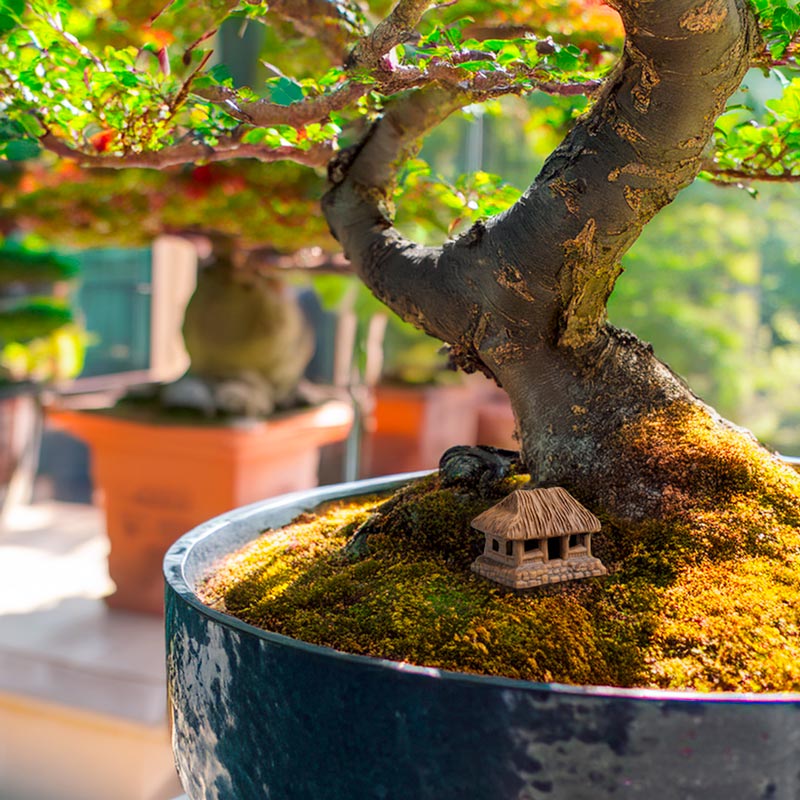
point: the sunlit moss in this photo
(731, 626)
(704, 597)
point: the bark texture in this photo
(523, 297)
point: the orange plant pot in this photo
(410, 427)
(158, 481)
(496, 423)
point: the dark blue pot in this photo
(258, 716)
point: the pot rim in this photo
(180, 553)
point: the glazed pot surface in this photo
(257, 715)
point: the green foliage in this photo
(284, 91)
(781, 22)
(528, 63)
(106, 81)
(33, 319)
(103, 81)
(448, 207)
(10, 14)
(20, 264)
(764, 144)
(714, 284)
(15, 142)
(257, 203)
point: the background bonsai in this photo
(520, 296)
(255, 357)
(41, 344)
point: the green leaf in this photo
(567, 58)
(31, 125)
(258, 136)
(21, 149)
(280, 136)
(127, 79)
(477, 66)
(10, 129)
(285, 92)
(787, 19)
(221, 74)
(10, 13)
(12, 7)
(30, 320)
(331, 77)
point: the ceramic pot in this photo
(157, 480)
(257, 715)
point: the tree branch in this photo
(189, 152)
(727, 177)
(263, 113)
(482, 85)
(418, 283)
(641, 143)
(398, 27)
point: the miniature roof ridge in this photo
(537, 514)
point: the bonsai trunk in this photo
(522, 297)
(247, 338)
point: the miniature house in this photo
(535, 537)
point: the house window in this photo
(509, 548)
(531, 545)
(553, 548)
(495, 545)
(577, 540)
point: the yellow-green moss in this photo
(413, 597)
(704, 597)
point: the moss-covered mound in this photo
(706, 598)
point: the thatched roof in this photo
(537, 514)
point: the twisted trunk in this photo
(523, 297)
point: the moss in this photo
(703, 597)
(723, 558)
(731, 627)
(413, 597)
(702, 463)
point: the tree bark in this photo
(523, 296)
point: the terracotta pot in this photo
(157, 481)
(255, 714)
(496, 423)
(411, 427)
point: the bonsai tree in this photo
(519, 296)
(248, 362)
(40, 343)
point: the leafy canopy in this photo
(135, 83)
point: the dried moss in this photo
(704, 598)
